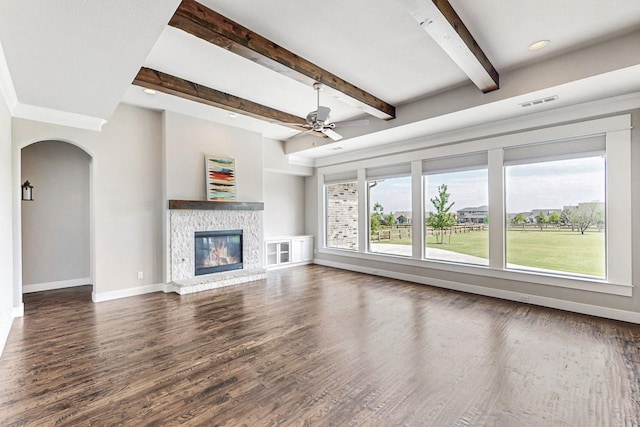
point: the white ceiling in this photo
(79, 57)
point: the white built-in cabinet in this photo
(285, 251)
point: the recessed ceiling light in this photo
(233, 115)
(149, 91)
(538, 45)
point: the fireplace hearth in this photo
(217, 251)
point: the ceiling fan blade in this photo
(322, 114)
(346, 123)
(332, 134)
(300, 125)
(300, 134)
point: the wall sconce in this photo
(27, 191)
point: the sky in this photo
(547, 185)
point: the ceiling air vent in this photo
(539, 101)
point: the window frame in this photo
(406, 173)
(617, 132)
(477, 161)
(577, 155)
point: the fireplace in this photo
(217, 251)
(186, 218)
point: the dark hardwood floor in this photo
(315, 346)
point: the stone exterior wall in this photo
(342, 215)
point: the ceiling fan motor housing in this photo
(313, 122)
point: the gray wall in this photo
(55, 226)
(311, 210)
(126, 194)
(283, 205)
(187, 140)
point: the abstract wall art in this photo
(221, 178)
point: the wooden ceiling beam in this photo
(442, 23)
(202, 22)
(156, 80)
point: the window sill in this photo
(538, 278)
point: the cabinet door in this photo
(284, 252)
(307, 248)
(272, 253)
(297, 246)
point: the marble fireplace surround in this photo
(186, 217)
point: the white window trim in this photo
(617, 131)
(536, 278)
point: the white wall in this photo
(55, 226)
(283, 205)
(126, 188)
(6, 226)
(187, 140)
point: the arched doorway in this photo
(56, 238)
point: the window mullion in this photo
(619, 210)
(496, 209)
(417, 209)
(363, 220)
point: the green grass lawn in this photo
(475, 243)
(558, 250)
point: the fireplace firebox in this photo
(218, 251)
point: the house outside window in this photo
(342, 215)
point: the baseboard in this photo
(129, 292)
(38, 287)
(576, 307)
(281, 266)
(5, 325)
(5, 328)
(18, 311)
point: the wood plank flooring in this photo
(315, 346)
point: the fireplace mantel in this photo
(217, 206)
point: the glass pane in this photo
(342, 215)
(457, 216)
(555, 216)
(272, 248)
(390, 216)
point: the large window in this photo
(342, 215)
(456, 206)
(550, 206)
(556, 216)
(390, 216)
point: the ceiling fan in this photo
(317, 121)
